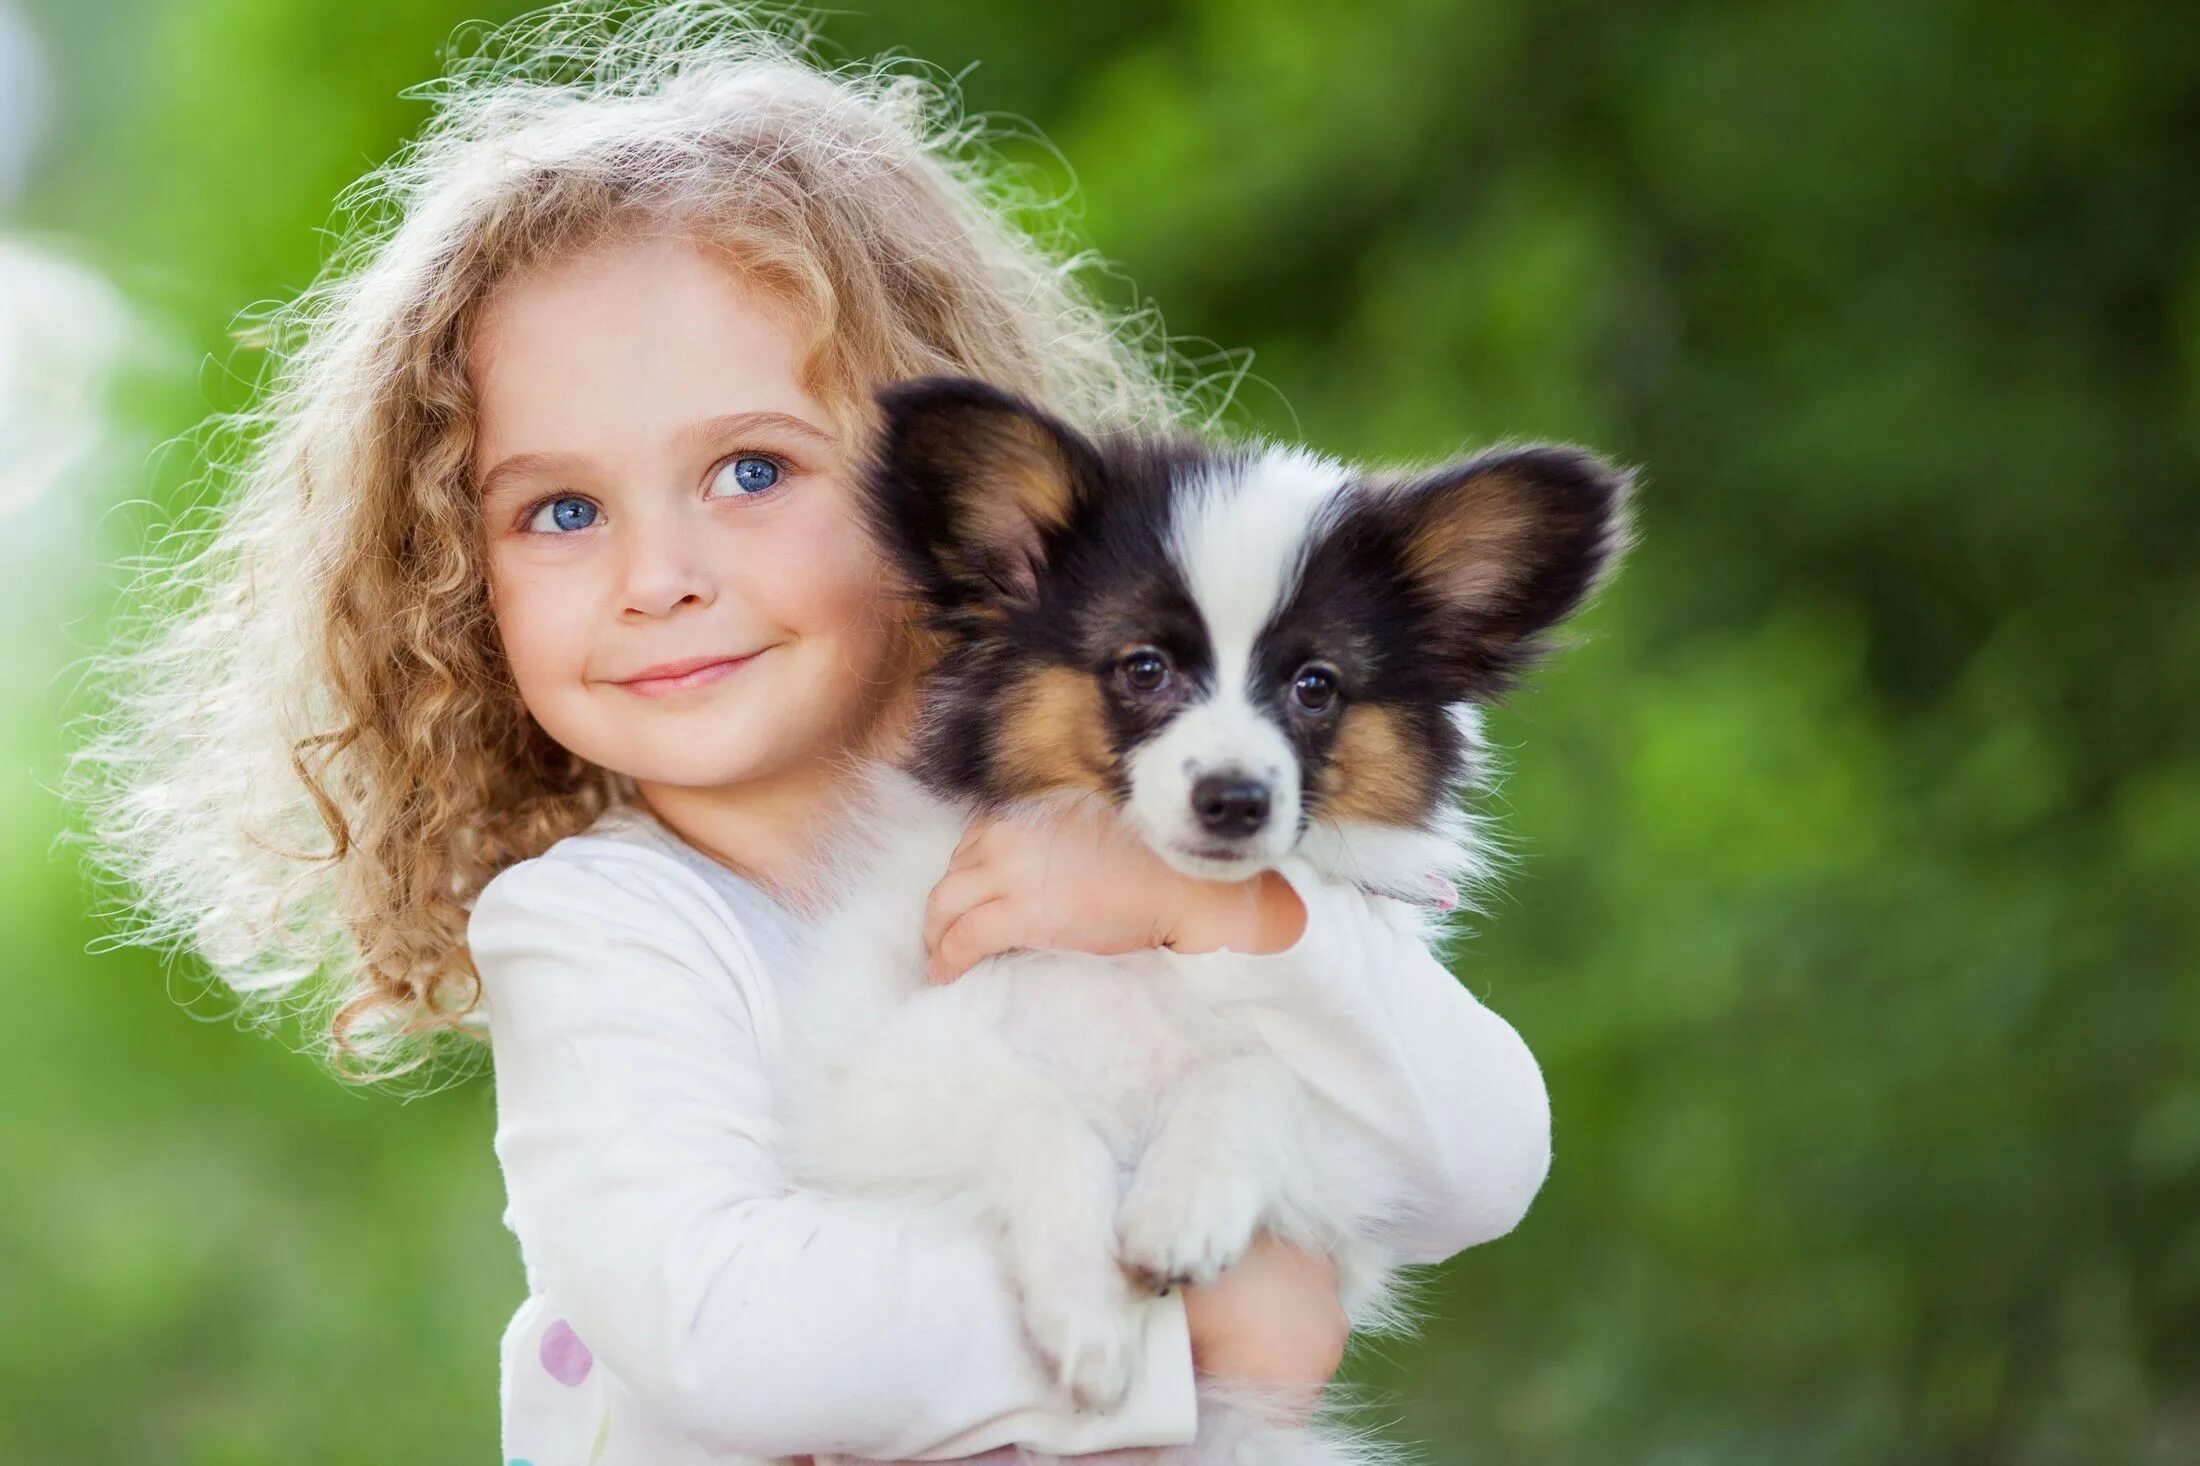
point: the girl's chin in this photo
(721, 770)
(722, 757)
(716, 741)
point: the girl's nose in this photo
(665, 566)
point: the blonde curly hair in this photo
(312, 755)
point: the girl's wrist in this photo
(1261, 916)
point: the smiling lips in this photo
(672, 678)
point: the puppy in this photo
(1257, 657)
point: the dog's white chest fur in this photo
(1120, 1117)
(1113, 1034)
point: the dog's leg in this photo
(1057, 1202)
(939, 1106)
(1214, 1169)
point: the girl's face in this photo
(658, 489)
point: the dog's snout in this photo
(1230, 805)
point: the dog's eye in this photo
(1144, 670)
(1314, 689)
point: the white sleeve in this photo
(633, 1131)
(1385, 1032)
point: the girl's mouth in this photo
(688, 681)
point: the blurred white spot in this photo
(62, 328)
(64, 334)
(22, 99)
(63, 331)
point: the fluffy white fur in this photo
(1101, 1110)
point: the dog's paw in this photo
(1179, 1229)
(1092, 1342)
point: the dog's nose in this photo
(1230, 804)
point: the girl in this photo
(523, 676)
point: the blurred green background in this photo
(1856, 923)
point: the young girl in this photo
(521, 681)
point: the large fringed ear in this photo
(1506, 545)
(967, 484)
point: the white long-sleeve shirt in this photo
(688, 1305)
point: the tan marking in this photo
(1053, 734)
(1471, 549)
(1026, 485)
(1373, 774)
(1040, 473)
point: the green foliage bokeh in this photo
(1855, 922)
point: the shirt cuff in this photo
(1162, 1408)
(1332, 942)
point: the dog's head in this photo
(1231, 643)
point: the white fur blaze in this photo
(1239, 539)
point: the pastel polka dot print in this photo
(563, 1354)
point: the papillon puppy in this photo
(1256, 656)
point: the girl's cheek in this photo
(541, 611)
(827, 567)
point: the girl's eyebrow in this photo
(728, 423)
(521, 465)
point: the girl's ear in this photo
(1504, 546)
(967, 485)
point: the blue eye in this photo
(749, 474)
(567, 513)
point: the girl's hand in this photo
(1272, 1318)
(1079, 881)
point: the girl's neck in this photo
(772, 829)
(768, 831)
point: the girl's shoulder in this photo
(629, 878)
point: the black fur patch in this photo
(1102, 581)
(1030, 547)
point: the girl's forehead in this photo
(633, 342)
(630, 286)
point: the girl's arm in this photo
(633, 1130)
(1376, 1024)
(1363, 1012)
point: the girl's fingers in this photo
(966, 849)
(956, 893)
(985, 929)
